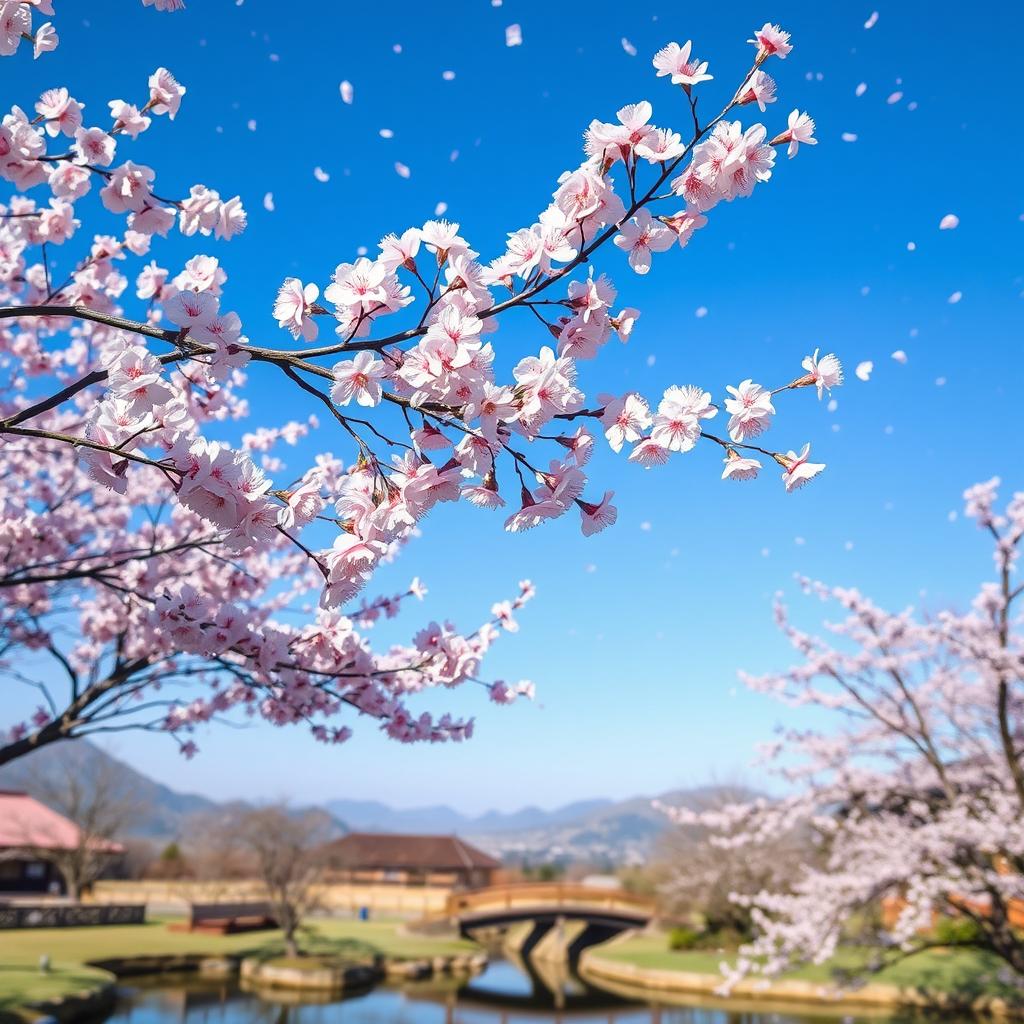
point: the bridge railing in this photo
(547, 893)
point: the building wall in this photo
(338, 897)
(29, 875)
(473, 878)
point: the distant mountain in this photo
(159, 813)
(371, 816)
(161, 810)
(600, 832)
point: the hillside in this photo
(159, 813)
(600, 832)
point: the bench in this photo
(228, 918)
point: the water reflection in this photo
(506, 993)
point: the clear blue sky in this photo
(636, 635)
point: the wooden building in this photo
(30, 834)
(374, 858)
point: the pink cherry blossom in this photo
(760, 89)
(358, 378)
(797, 470)
(750, 410)
(595, 518)
(46, 39)
(292, 308)
(165, 93)
(771, 41)
(625, 419)
(641, 236)
(739, 467)
(800, 130)
(675, 60)
(187, 308)
(826, 373)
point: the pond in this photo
(505, 993)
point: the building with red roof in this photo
(30, 834)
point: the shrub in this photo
(683, 938)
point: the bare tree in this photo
(284, 851)
(213, 848)
(90, 793)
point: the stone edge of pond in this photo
(653, 979)
(346, 977)
(88, 1003)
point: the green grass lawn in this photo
(23, 983)
(964, 971)
(70, 948)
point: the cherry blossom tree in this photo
(917, 793)
(170, 555)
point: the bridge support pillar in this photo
(594, 933)
(536, 933)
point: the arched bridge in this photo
(604, 912)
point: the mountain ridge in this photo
(598, 831)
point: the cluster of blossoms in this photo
(157, 607)
(142, 422)
(16, 24)
(917, 796)
(460, 417)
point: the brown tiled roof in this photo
(392, 852)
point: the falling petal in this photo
(320, 174)
(347, 92)
(628, 47)
(440, 209)
(900, 357)
(513, 36)
(872, 19)
(861, 89)
(849, 137)
(268, 202)
(401, 170)
(950, 221)
(864, 369)
(386, 133)
(895, 97)
(955, 298)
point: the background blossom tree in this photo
(175, 551)
(917, 792)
